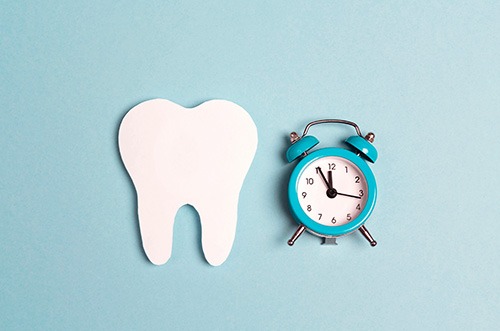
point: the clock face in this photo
(332, 191)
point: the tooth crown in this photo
(177, 156)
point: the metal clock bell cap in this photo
(300, 146)
(364, 146)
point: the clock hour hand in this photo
(328, 185)
(348, 195)
(330, 180)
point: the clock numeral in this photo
(358, 207)
(331, 166)
(356, 179)
(333, 220)
(349, 217)
(361, 193)
(309, 181)
(320, 216)
(346, 169)
(309, 208)
(304, 195)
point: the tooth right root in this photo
(218, 229)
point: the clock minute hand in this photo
(318, 169)
(348, 195)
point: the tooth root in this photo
(218, 228)
(156, 220)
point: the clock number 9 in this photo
(304, 195)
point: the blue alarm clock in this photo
(332, 191)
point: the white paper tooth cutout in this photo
(198, 156)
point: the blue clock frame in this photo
(331, 231)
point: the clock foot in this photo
(368, 236)
(296, 235)
(329, 241)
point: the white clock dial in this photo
(336, 203)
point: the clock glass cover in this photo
(332, 191)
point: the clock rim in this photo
(331, 231)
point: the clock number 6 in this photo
(334, 220)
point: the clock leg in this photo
(296, 235)
(367, 235)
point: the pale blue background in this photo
(424, 77)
